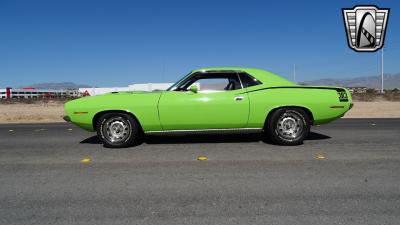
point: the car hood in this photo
(131, 92)
(111, 100)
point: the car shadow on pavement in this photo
(205, 138)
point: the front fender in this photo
(142, 105)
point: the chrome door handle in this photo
(238, 98)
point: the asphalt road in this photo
(347, 172)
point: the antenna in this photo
(294, 72)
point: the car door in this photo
(219, 103)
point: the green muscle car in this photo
(212, 100)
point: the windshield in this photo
(173, 87)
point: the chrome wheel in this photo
(290, 125)
(117, 129)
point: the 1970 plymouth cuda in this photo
(212, 100)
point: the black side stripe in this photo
(302, 87)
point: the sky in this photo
(117, 43)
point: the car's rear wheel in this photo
(288, 126)
(118, 130)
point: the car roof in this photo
(266, 77)
(217, 69)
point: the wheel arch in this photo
(307, 110)
(99, 114)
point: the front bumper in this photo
(66, 118)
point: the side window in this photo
(212, 82)
(248, 80)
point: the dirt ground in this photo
(31, 113)
(378, 109)
(53, 111)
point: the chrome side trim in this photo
(229, 130)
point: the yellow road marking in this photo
(319, 156)
(202, 158)
(86, 160)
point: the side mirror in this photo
(194, 88)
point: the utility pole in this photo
(163, 72)
(294, 72)
(382, 72)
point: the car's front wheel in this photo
(288, 126)
(118, 130)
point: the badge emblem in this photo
(365, 27)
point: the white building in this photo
(150, 86)
(44, 93)
(3, 93)
(133, 87)
(36, 93)
(98, 91)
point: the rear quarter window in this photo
(248, 81)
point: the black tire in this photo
(287, 126)
(118, 130)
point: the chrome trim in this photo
(290, 125)
(191, 74)
(116, 129)
(240, 80)
(206, 130)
